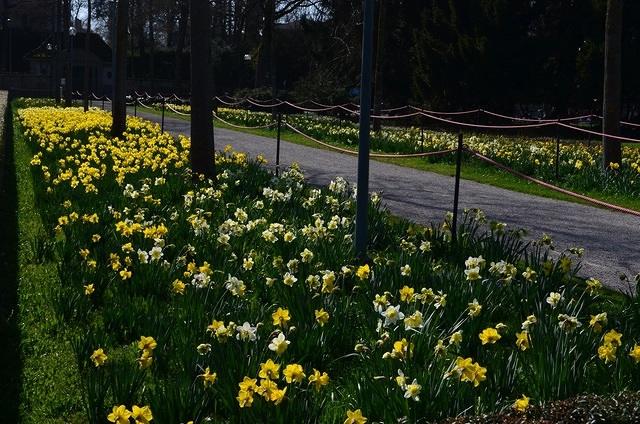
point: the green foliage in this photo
(225, 240)
(49, 381)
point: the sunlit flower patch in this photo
(241, 299)
(580, 164)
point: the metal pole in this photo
(456, 192)
(162, 123)
(362, 198)
(10, 47)
(558, 153)
(57, 48)
(68, 42)
(135, 105)
(86, 76)
(278, 144)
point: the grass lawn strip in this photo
(50, 384)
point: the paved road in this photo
(611, 239)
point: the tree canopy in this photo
(446, 54)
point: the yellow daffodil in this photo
(522, 340)
(245, 398)
(269, 370)
(178, 287)
(468, 371)
(141, 414)
(208, 377)
(99, 357)
(322, 317)
(607, 352)
(406, 294)
(145, 360)
(248, 384)
(363, 272)
(147, 343)
(355, 417)
(521, 404)
(293, 373)
(489, 336)
(318, 379)
(119, 415)
(634, 353)
(281, 318)
(598, 321)
(613, 338)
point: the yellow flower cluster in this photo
(121, 415)
(250, 285)
(267, 387)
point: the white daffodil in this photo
(246, 332)
(156, 253)
(391, 315)
(279, 344)
(412, 391)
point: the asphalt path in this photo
(611, 239)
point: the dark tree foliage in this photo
(515, 56)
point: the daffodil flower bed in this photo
(240, 299)
(580, 163)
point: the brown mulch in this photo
(623, 408)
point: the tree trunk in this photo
(612, 82)
(182, 35)
(379, 64)
(56, 48)
(119, 102)
(202, 147)
(87, 50)
(68, 67)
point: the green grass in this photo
(472, 169)
(9, 334)
(43, 379)
(179, 324)
(50, 388)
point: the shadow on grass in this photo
(10, 361)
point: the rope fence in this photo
(373, 155)
(443, 117)
(385, 113)
(528, 123)
(553, 187)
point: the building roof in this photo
(97, 46)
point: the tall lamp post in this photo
(362, 196)
(85, 89)
(7, 27)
